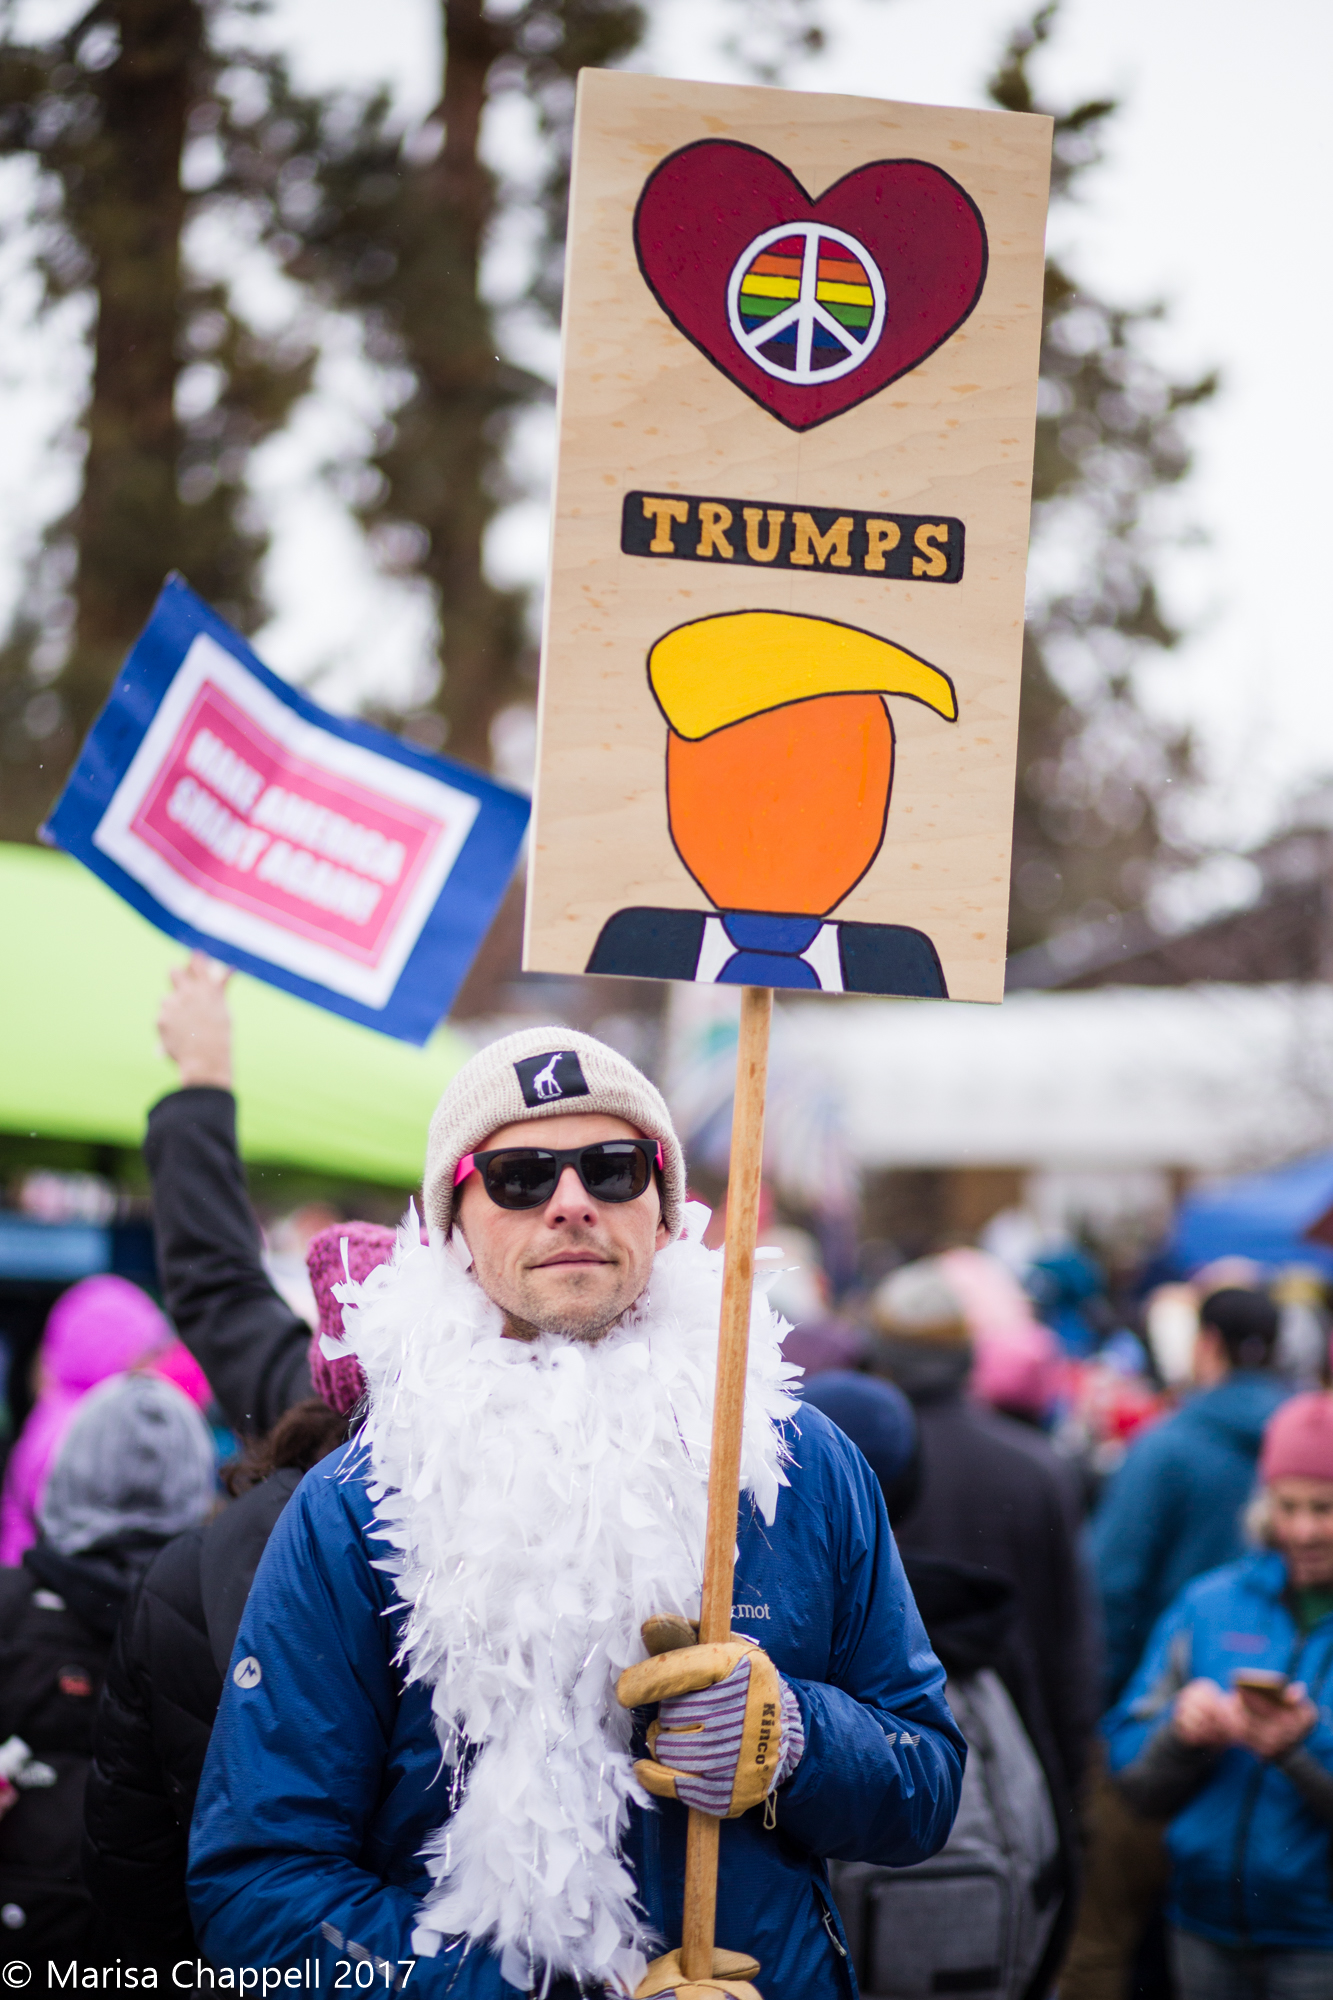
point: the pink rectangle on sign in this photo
(232, 810)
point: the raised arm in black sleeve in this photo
(247, 1340)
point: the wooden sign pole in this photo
(743, 1183)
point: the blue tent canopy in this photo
(1262, 1216)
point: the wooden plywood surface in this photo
(643, 411)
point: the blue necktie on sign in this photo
(768, 950)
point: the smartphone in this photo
(1266, 1682)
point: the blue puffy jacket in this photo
(324, 1779)
(1173, 1509)
(1250, 1861)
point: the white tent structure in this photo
(1205, 1079)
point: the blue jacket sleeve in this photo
(277, 1874)
(882, 1772)
(1128, 1537)
(1166, 1666)
(1319, 1743)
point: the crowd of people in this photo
(1030, 1688)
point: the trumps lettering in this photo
(844, 541)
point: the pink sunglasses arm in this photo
(469, 1160)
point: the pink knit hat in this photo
(1298, 1440)
(177, 1365)
(97, 1328)
(340, 1381)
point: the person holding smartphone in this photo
(1226, 1731)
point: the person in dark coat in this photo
(170, 1657)
(995, 1496)
(163, 1685)
(165, 1675)
(136, 1467)
(1173, 1510)
(971, 1615)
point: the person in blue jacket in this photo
(421, 1764)
(1173, 1510)
(1226, 1730)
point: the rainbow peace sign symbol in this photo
(806, 302)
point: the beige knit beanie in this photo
(917, 1302)
(539, 1073)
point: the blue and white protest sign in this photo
(316, 852)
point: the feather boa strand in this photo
(541, 1501)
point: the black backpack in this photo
(51, 1669)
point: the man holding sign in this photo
(827, 312)
(420, 1753)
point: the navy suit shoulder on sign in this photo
(647, 943)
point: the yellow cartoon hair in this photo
(716, 671)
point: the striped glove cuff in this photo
(793, 1737)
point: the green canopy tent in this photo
(81, 978)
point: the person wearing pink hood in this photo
(98, 1328)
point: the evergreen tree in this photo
(387, 223)
(397, 234)
(392, 225)
(106, 111)
(1092, 818)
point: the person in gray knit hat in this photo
(543, 1073)
(136, 1467)
(565, 1248)
(138, 1459)
(433, 1751)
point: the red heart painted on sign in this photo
(809, 306)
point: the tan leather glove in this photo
(732, 1970)
(718, 1736)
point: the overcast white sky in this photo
(1210, 199)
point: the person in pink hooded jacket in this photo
(99, 1327)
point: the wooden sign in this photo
(784, 622)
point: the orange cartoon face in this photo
(780, 753)
(786, 810)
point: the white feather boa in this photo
(542, 1500)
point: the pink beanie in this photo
(340, 1381)
(97, 1328)
(1016, 1370)
(177, 1365)
(1298, 1440)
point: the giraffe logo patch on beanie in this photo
(545, 1079)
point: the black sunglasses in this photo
(527, 1176)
